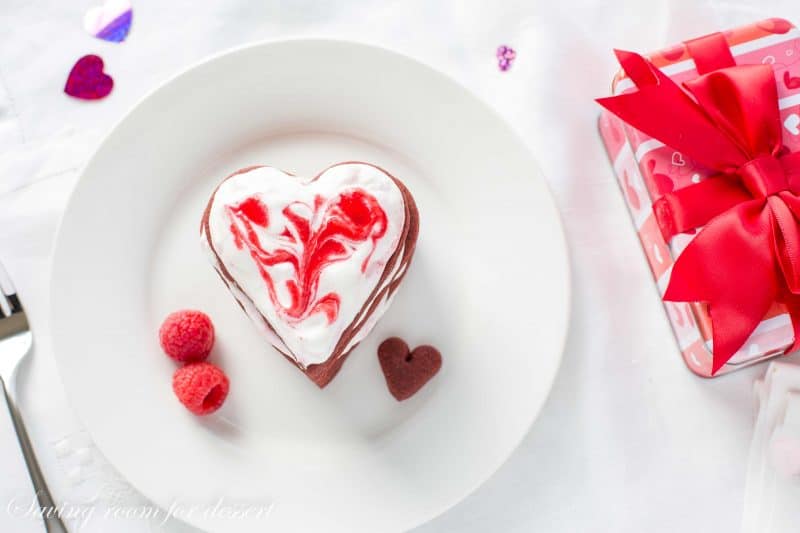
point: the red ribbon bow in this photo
(747, 256)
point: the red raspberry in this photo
(187, 335)
(201, 387)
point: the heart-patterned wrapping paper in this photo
(647, 169)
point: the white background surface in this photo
(629, 439)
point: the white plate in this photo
(489, 286)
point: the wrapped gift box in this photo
(647, 169)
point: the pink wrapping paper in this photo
(646, 169)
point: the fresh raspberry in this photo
(187, 335)
(201, 387)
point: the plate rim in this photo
(564, 320)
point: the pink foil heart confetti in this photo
(110, 21)
(505, 57)
(87, 80)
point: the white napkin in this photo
(773, 472)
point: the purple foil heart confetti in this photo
(505, 57)
(87, 80)
(110, 21)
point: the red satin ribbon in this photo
(747, 255)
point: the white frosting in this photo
(368, 322)
(310, 339)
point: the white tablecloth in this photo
(628, 441)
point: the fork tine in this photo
(5, 281)
(9, 301)
(16, 305)
(5, 306)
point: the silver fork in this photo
(15, 343)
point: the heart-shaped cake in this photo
(313, 262)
